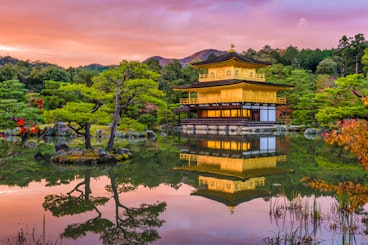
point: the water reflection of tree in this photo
(70, 204)
(132, 225)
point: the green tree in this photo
(80, 114)
(343, 101)
(174, 74)
(129, 84)
(349, 54)
(310, 59)
(35, 79)
(85, 76)
(8, 72)
(23, 70)
(268, 54)
(327, 66)
(154, 65)
(14, 105)
(304, 83)
(54, 97)
(291, 57)
(166, 114)
(56, 74)
(358, 45)
(306, 109)
(365, 60)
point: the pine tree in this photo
(14, 105)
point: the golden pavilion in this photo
(231, 96)
(232, 169)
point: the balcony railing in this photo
(184, 156)
(242, 121)
(259, 77)
(255, 99)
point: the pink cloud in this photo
(69, 32)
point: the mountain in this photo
(11, 60)
(7, 59)
(199, 56)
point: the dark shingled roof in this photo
(228, 56)
(232, 199)
(226, 82)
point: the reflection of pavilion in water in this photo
(232, 168)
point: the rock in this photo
(38, 157)
(102, 153)
(151, 134)
(60, 129)
(98, 133)
(61, 147)
(120, 135)
(310, 131)
(122, 151)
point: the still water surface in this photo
(183, 189)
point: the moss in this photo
(121, 157)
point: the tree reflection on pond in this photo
(133, 225)
(180, 189)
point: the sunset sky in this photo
(81, 32)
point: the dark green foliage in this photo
(147, 119)
(349, 54)
(154, 65)
(56, 74)
(14, 104)
(54, 97)
(327, 66)
(343, 101)
(84, 76)
(8, 72)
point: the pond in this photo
(184, 189)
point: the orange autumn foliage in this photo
(353, 136)
(351, 195)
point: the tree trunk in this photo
(110, 144)
(87, 136)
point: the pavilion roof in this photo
(230, 56)
(227, 82)
(232, 199)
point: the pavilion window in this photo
(235, 113)
(214, 113)
(226, 145)
(203, 113)
(246, 113)
(228, 73)
(225, 113)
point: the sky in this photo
(81, 32)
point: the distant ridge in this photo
(198, 56)
(11, 60)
